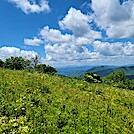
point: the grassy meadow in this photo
(37, 103)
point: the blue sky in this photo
(68, 32)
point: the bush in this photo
(119, 79)
(129, 84)
(92, 78)
(45, 69)
(115, 77)
(1, 63)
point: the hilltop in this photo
(40, 103)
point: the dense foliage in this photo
(19, 63)
(45, 69)
(128, 84)
(38, 103)
(115, 77)
(92, 77)
(119, 79)
(1, 63)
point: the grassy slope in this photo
(39, 103)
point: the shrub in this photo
(45, 69)
(1, 63)
(115, 77)
(129, 84)
(92, 78)
(119, 79)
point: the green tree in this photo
(41, 68)
(45, 69)
(92, 78)
(113, 77)
(51, 70)
(1, 63)
(17, 63)
(119, 79)
(129, 84)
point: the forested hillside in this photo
(100, 70)
(105, 70)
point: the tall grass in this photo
(40, 103)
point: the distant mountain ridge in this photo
(100, 70)
(105, 70)
(72, 71)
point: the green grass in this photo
(36, 103)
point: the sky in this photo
(69, 32)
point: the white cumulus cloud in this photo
(78, 23)
(33, 42)
(117, 19)
(69, 53)
(31, 6)
(54, 36)
(114, 49)
(72, 47)
(7, 52)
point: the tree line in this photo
(19, 63)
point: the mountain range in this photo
(100, 70)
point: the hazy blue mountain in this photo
(100, 70)
(129, 71)
(105, 70)
(72, 71)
